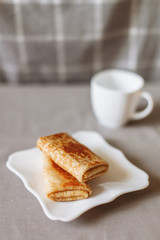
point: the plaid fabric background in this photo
(44, 41)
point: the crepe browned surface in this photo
(60, 185)
(72, 156)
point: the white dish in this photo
(122, 177)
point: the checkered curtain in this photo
(64, 41)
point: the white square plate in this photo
(122, 177)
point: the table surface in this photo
(29, 112)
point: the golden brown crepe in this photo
(72, 156)
(60, 185)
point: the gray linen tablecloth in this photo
(25, 114)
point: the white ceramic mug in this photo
(115, 95)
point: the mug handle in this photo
(148, 109)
